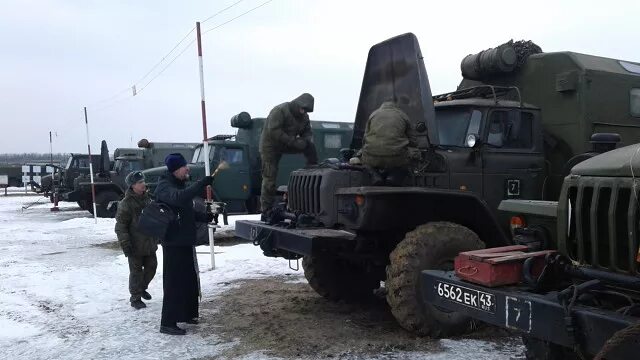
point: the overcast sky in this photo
(57, 56)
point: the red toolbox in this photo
(498, 266)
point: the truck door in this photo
(454, 125)
(513, 159)
(233, 185)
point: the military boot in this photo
(145, 295)
(138, 304)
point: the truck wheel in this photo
(102, 203)
(430, 246)
(536, 349)
(335, 279)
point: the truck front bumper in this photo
(538, 316)
(299, 241)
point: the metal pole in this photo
(93, 188)
(53, 176)
(205, 143)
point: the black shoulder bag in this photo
(155, 219)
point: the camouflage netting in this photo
(502, 59)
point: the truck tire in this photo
(102, 202)
(536, 349)
(430, 246)
(336, 279)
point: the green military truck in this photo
(481, 144)
(62, 181)
(109, 181)
(239, 186)
(586, 299)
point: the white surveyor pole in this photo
(93, 188)
(205, 143)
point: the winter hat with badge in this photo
(175, 162)
(134, 178)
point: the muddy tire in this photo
(536, 349)
(335, 279)
(430, 246)
(102, 204)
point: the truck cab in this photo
(239, 186)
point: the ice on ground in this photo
(64, 297)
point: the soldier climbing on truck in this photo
(286, 131)
(517, 120)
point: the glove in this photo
(210, 217)
(127, 250)
(299, 144)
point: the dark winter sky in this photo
(58, 56)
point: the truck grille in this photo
(304, 193)
(602, 223)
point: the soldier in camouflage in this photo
(287, 130)
(139, 249)
(389, 144)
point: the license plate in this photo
(467, 297)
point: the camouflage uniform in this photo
(286, 131)
(389, 139)
(139, 249)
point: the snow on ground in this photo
(62, 296)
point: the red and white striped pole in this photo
(93, 188)
(205, 143)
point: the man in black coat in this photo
(180, 275)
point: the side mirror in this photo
(473, 141)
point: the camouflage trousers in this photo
(270, 161)
(141, 270)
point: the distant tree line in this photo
(32, 157)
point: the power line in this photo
(239, 16)
(167, 66)
(221, 11)
(113, 100)
(165, 57)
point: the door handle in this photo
(534, 169)
(243, 172)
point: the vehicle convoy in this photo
(530, 119)
(239, 185)
(109, 181)
(583, 300)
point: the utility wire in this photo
(239, 16)
(113, 100)
(221, 11)
(166, 66)
(165, 57)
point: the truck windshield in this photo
(198, 155)
(454, 124)
(69, 162)
(126, 166)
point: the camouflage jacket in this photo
(388, 132)
(281, 127)
(129, 210)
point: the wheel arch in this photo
(407, 208)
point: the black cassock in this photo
(180, 285)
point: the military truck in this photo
(62, 180)
(239, 186)
(584, 301)
(109, 184)
(480, 145)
